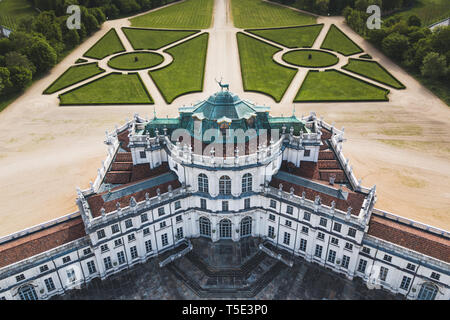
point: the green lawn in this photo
(310, 58)
(73, 75)
(190, 14)
(114, 88)
(293, 37)
(11, 11)
(373, 70)
(332, 85)
(259, 72)
(107, 45)
(185, 73)
(336, 40)
(151, 39)
(259, 14)
(429, 11)
(135, 61)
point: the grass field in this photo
(185, 74)
(135, 61)
(310, 58)
(107, 45)
(259, 14)
(153, 39)
(74, 75)
(259, 72)
(11, 11)
(373, 70)
(336, 40)
(332, 85)
(111, 89)
(429, 11)
(297, 37)
(190, 14)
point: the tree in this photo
(42, 55)
(20, 77)
(441, 39)
(4, 80)
(434, 65)
(394, 45)
(47, 24)
(14, 58)
(414, 20)
(376, 36)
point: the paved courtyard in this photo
(226, 270)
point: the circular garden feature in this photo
(310, 58)
(135, 60)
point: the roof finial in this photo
(224, 85)
(293, 111)
(154, 112)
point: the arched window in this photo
(246, 227)
(225, 229)
(27, 293)
(428, 291)
(225, 185)
(203, 183)
(247, 182)
(205, 227)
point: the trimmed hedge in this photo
(294, 58)
(381, 74)
(151, 59)
(350, 91)
(115, 91)
(154, 39)
(71, 77)
(107, 45)
(365, 56)
(338, 41)
(80, 61)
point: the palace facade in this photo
(226, 169)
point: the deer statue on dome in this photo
(223, 85)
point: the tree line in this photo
(40, 41)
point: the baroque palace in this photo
(226, 169)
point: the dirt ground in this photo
(402, 146)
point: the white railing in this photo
(177, 255)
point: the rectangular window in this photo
(352, 232)
(115, 228)
(164, 239)
(305, 229)
(335, 241)
(337, 227)
(66, 259)
(411, 266)
(331, 256)
(203, 203)
(162, 224)
(224, 205)
(87, 251)
(383, 273)
(144, 217)
(247, 203)
(287, 238)
(435, 276)
(306, 153)
(117, 242)
(121, 257)
(49, 284)
(306, 216)
(366, 250)
(320, 235)
(133, 252)
(128, 223)
(101, 234)
(131, 237)
(177, 205)
(161, 211)
(303, 243)
(148, 246)
(288, 223)
(43, 268)
(271, 217)
(406, 281)
(104, 248)
(107, 262)
(289, 210)
(273, 204)
(348, 246)
(318, 251)
(146, 231)
(142, 154)
(387, 258)
(20, 277)
(323, 222)
(271, 232)
(91, 267)
(178, 218)
(345, 261)
(71, 275)
(180, 233)
(362, 265)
